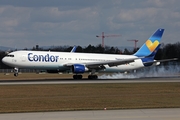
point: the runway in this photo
(86, 81)
(134, 114)
(128, 114)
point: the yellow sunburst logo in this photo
(152, 45)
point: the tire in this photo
(92, 77)
(77, 77)
(15, 74)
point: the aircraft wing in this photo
(73, 49)
(110, 63)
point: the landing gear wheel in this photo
(77, 77)
(93, 77)
(15, 74)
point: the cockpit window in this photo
(9, 55)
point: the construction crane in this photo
(135, 43)
(103, 36)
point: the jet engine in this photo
(79, 68)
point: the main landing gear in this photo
(15, 72)
(91, 77)
(77, 77)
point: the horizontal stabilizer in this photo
(164, 60)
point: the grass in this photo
(60, 97)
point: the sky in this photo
(27, 23)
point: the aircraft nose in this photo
(4, 60)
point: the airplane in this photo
(80, 63)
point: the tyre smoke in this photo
(153, 71)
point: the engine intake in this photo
(78, 68)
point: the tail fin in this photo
(151, 46)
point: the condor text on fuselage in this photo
(42, 58)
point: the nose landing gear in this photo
(15, 72)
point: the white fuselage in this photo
(47, 60)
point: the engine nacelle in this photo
(78, 68)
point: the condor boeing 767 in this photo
(80, 63)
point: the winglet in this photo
(151, 45)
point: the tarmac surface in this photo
(133, 114)
(86, 81)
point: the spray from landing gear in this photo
(154, 71)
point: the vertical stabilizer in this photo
(151, 45)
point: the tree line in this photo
(165, 52)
